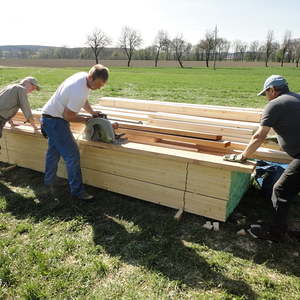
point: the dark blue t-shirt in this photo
(283, 115)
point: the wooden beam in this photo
(213, 129)
(182, 108)
(160, 136)
(205, 121)
(177, 132)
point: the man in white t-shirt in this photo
(62, 108)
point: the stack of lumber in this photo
(173, 157)
(235, 125)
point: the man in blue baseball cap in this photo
(282, 113)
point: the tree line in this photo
(211, 48)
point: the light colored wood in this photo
(212, 182)
(263, 153)
(3, 148)
(163, 130)
(179, 214)
(181, 108)
(160, 143)
(203, 120)
(141, 167)
(26, 150)
(200, 142)
(219, 130)
(204, 159)
(205, 206)
(135, 188)
(124, 114)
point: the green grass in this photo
(118, 247)
(230, 87)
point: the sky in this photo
(68, 22)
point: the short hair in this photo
(99, 71)
(282, 89)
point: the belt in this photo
(51, 117)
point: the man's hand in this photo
(234, 158)
(36, 129)
(99, 114)
(12, 124)
(271, 138)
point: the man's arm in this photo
(256, 140)
(88, 108)
(32, 123)
(72, 116)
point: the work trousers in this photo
(284, 190)
(62, 143)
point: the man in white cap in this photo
(13, 97)
(282, 113)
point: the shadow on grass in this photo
(157, 242)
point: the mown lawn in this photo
(118, 247)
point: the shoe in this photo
(85, 196)
(294, 234)
(264, 233)
(50, 189)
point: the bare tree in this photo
(208, 45)
(161, 42)
(297, 51)
(252, 52)
(130, 40)
(223, 47)
(285, 45)
(269, 46)
(180, 47)
(239, 49)
(215, 45)
(97, 41)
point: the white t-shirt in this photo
(72, 93)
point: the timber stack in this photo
(173, 156)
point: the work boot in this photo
(50, 189)
(85, 196)
(269, 233)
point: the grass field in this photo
(123, 248)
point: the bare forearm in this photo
(252, 147)
(76, 118)
(87, 107)
(32, 123)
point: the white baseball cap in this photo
(273, 80)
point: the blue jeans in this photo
(62, 143)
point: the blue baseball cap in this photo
(273, 80)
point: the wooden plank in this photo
(132, 115)
(263, 153)
(211, 182)
(182, 108)
(200, 142)
(178, 132)
(142, 167)
(26, 150)
(3, 148)
(205, 206)
(218, 130)
(134, 188)
(174, 154)
(115, 107)
(162, 143)
(203, 120)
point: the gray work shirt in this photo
(12, 98)
(283, 115)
